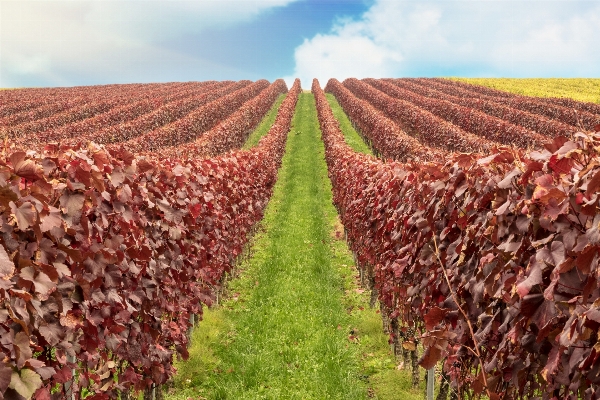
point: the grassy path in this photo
(354, 140)
(294, 325)
(285, 326)
(264, 126)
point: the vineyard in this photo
(108, 251)
(489, 261)
(125, 207)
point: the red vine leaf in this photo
(7, 266)
(51, 219)
(22, 348)
(71, 205)
(5, 376)
(434, 317)
(534, 277)
(25, 214)
(25, 168)
(593, 184)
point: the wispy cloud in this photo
(450, 37)
(59, 42)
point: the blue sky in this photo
(84, 42)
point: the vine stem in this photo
(475, 351)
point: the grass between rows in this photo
(294, 324)
(265, 124)
(283, 333)
(352, 137)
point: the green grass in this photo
(378, 363)
(294, 325)
(353, 138)
(264, 126)
(283, 334)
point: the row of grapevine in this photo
(105, 254)
(580, 119)
(534, 122)
(21, 114)
(466, 90)
(94, 104)
(421, 124)
(578, 105)
(582, 94)
(135, 124)
(23, 101)
(233, 131)
(199, 121)
(491, 261)
(383, 134)
(27, 94)
(469, 119)
(171, 103)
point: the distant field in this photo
(581, 89)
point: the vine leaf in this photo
(5, 376)
(25, 382)
(7, 266)
(25, 168)
(25, 214)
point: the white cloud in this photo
(483, 38)
(329, 55)
(57, 42)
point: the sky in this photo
(88, 42)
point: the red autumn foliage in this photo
(537, 123)
(570, 103)
(104, 255)
(26, 105)
(200, 120)
(516, 236)
(50, 118)
(97, 128)
(583, 120)
(232, 132)
(386, 137)
(468, 119)
(160, 116)
(429, 128)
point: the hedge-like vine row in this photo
(492, 261)
(534, 122)
(429, 129)
(386, 137)
(188, 128)
(91, 128)
(105, 254)
(468, 119)
(162, 116)
(580, 119)
(61, 112)
(232, 132)
(25, 105)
